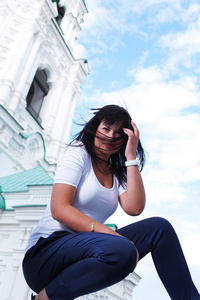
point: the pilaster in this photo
(61, 121)
(22, 79)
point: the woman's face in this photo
(108, 139)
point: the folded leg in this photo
(157, 236)
(74, 264)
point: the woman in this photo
(71, 252)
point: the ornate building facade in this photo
(40, 81)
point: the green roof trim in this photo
(12, 118)
(30, 205)
(59, 29)
(26, 135)
(36, 120)
(112, 226)
(2, 202)
(20, 182)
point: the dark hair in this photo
(111, 114)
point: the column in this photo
(67, 26)
(59, 123)
(14, 67)
(18, 91)
(49, 110)
(68, 124)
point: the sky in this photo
(144, 55)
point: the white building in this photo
(40, 82)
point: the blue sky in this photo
(145, 55)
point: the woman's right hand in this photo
(132, 143)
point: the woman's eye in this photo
(105, 128)
(119, 133)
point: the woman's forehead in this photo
(118, 124)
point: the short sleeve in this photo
(121, 190)
(70, 168)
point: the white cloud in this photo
(189, 234)
(153, 95)
(184, 44)
(140, 7)
(191, 13)
(187, 40)
(160, 99)
(106, 24)
(169, 133)
(170, 137)
(103, 19)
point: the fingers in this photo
(134, 132)
(132, 143)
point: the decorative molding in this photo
(32, 39)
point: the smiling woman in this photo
(108, 138)
(103, 148)
(71, 252)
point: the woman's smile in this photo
(108, 139)
(110, 145)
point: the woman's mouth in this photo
(109, 145)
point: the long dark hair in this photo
(111, 114)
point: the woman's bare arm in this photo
(62, 210)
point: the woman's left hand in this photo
(132, 143)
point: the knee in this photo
(127, 252)
(163, 224)
(122, 252)
(162, 228)
(127, 256)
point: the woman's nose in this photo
(111, 134)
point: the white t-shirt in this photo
(92, 198)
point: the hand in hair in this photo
(132, 143)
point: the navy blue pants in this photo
(69, 265)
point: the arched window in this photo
(38, 90)
(61, 12)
